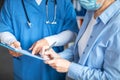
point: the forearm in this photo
(7, 37)
(79, 72)
(61, 38)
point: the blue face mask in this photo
(91, 4)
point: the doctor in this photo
(23, 23)
(96, 53)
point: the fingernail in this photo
(33, 53)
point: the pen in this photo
(50, 46)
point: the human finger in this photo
(43, 51)
(17, 45)
(35, 50)
(14, 53)
(32, 47)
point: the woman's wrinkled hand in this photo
(59, 64)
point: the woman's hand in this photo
(61, 65)
(54, 60)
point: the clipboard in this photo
(24, 52)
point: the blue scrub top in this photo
(13, 19)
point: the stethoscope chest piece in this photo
(29, 24)
(53, 22)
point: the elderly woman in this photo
(96, 52)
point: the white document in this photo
(24, 52)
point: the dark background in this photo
(6, 71)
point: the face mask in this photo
(91, 4)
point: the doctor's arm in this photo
(6, 30)
(67, 33)
(9, 39)
(61, 39)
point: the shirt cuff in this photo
(73, 71)
(7, 38)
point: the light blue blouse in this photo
(101, 58)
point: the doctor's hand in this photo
(61, 65)
(15, 44)
(37, 46)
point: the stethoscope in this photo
(47, 13)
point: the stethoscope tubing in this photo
(47, 20)
(28, 20)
